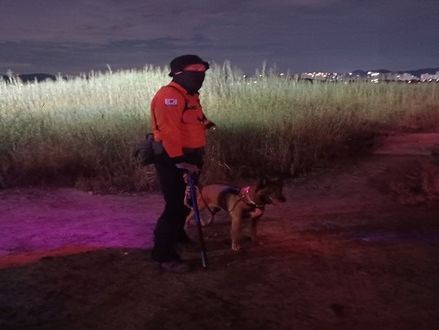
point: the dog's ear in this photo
(265, 180)
(262, 182)
(276, 178)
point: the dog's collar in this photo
(245, 197)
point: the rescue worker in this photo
(179, 126)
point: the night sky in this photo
(71, 36)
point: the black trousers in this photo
(170, 225)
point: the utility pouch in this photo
(157, 147)
(144, 150)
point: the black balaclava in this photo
(190, 80)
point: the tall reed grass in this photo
(82, 131)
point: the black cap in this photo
(180, 62)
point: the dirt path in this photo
(355, 246)
(41, 222)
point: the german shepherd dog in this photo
(247, 203)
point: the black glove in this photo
(209, 124)
(188, 168)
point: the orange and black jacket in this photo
(177, 120)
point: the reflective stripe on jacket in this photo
(177, 120)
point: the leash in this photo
(193, 194)
(187, 195)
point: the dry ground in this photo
(355, 247)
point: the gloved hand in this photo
(208, 124)
(188, 168)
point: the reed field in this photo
(82, 131)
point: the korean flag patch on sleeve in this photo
(171, 102)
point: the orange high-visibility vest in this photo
(177, 119)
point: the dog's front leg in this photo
(235, 232)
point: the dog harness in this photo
(245, 196)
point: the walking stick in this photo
(193, 191)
